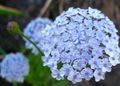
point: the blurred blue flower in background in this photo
(81, 42)
(14, 67)
(33, 31)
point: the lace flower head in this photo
(81, 44)
(14, 67)
(33, 31)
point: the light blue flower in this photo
(79, 64)
(115, 60)
(65, 70)
(95, 13)
(14, 67)
(106, 65)
(65, 58)
(34, 32)
(95, 63)
(87, 73)
(80, 41)
(56, 74)
(74, 76)
(99, 75)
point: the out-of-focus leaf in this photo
(2, 52)
(61, 83)
(4, 41)
(40, 75)
(10, 11)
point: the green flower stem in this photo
(14, 28)
(21, 34)
(2, 51)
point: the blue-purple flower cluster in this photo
(33, 32)
(80, 44)
(14, 67)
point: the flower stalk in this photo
(14, 28)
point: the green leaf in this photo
(61, 83)
(2, 52)
(40, 75)
(10, 11)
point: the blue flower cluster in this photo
(80, 44)
(14, 67)
(33, 31)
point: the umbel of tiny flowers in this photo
(14, 28)
(33, 32)
(14, 67)
(81, 44)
